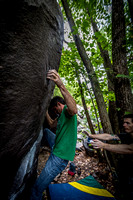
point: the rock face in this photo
(31, 39)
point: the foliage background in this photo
(100, 10)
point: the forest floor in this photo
(88, 165)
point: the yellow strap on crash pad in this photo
(91, 190)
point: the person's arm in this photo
(117, 148)
(70, 102)
(52, 123)
(103, 136)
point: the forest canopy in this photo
(97, 59)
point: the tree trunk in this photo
(94, 107)
(92, 76)
(85, 107)
(124, 101)
(123, 93)
(110, 76)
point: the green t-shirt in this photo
(66, 136)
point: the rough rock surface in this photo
(31, 38)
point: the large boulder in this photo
(31, 39)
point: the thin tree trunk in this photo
(92, 76)
(110, 76)
(92, 103)
(85, 106)
(123, 92)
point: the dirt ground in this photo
(88, 165)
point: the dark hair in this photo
(55, 100)
(129, 116)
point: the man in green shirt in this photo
(63, 144)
